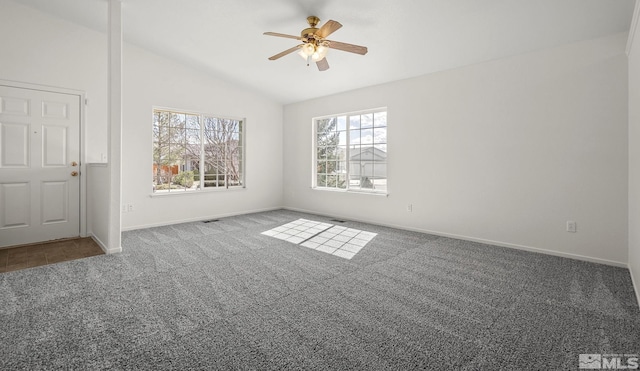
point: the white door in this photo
(39, 166)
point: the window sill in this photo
(352, 191)
(183, 193)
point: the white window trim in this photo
(204, 190)
(314, 155)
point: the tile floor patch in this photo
(336, 240)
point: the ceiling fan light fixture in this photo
(308, 49)
(320, 53)
(302, 55)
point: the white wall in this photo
(98, 204)
(40, 49)
(634, 151)
(150, 80)
(505, 152)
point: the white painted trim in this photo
(473, 239)
(195, 112)
(198, 192)
(103, 246)
(83, 179)
(83, 167)
(635, 283)
(39, 87)
(632, 28)
(202, 218)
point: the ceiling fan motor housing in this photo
(308, 33)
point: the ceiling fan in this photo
(314, 45)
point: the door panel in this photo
(54, 147)
(14, 106)
(14, 141)
(15, 199)
(54, 202)
(39, 172)
(56, 110)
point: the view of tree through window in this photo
(192, 152)
(351, 152)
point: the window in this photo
(192, 152)
(351, 152)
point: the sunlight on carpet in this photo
(331, 239)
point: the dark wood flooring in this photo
(28, 256)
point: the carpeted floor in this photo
(221, 295)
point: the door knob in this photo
(74, 163)
(74, 173)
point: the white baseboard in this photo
(104, 247)
(473, 239)
(197, 219)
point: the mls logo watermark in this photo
(608, 361)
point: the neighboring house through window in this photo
(351, 151)
(193, 151)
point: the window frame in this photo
(202, 164)
(314, 148)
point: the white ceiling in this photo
(405, 38)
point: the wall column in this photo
(115, 124)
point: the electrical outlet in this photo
(571, 226)
(409, 207)
(130, 208)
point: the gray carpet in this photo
(222, 296)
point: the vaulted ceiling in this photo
(406, 38)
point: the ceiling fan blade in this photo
(322, 64)
(282, 54)
(362, 50)
(282, 35)
(328, 28)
